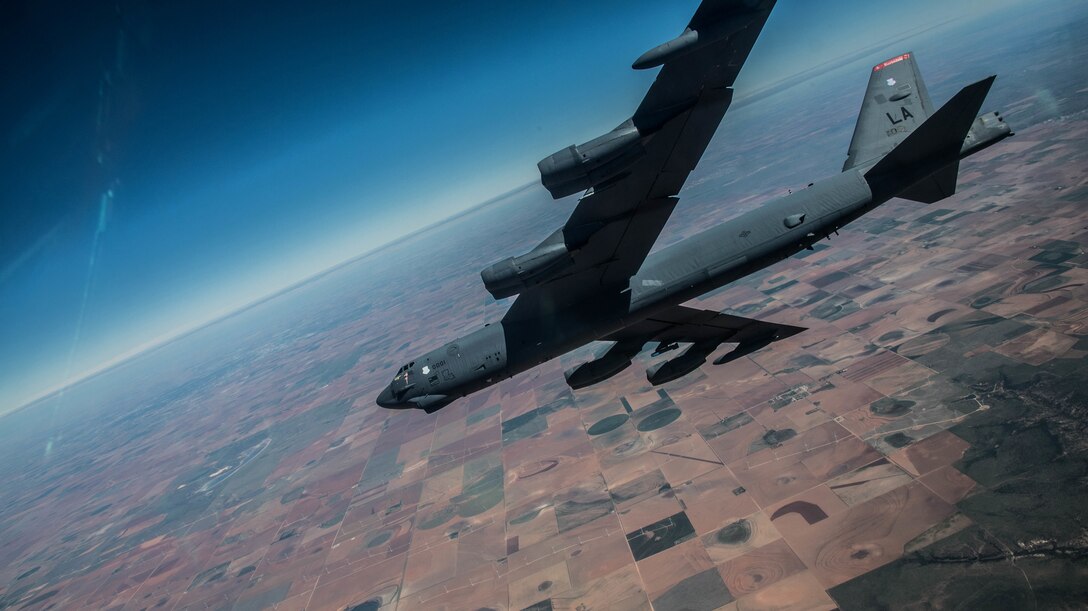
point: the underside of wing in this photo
(705, 330)
(689, 325)
(632, 174)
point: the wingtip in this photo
(986, 83)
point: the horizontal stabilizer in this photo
(941, 136)
(935, 187)
(925, 165)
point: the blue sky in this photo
(165, 164)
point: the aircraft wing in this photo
(683, 324)
(618, 219)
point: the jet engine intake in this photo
(515, 274)
(577, 168)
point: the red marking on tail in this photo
(894, 60)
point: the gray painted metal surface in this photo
(593, 278)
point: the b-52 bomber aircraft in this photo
(593, 279)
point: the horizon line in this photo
(767, 89)
(172, 336)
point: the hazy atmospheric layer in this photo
(162, 168)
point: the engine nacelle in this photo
(577, 168)
(736, 19)
(616, 359)
(681, 365)
(515, 274)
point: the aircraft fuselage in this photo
(692, 267)
(704, 262)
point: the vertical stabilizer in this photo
(896, 103)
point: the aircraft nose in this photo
(385, 398)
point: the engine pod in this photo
(515, 274)
(577, 168)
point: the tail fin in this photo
(896, 103)
(925, 165)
